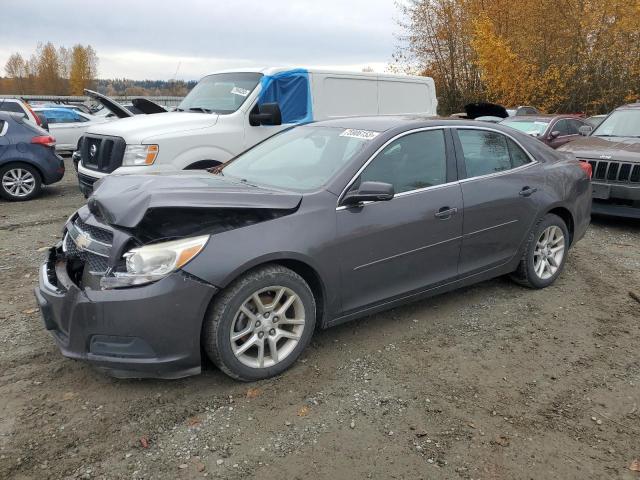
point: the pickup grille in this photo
(611, 171)
(102, 153)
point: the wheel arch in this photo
(203, 164)
(565, 214)
(24, 162)
(308, 272)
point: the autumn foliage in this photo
(560, 55)
(51, 70)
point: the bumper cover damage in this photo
(147, 331)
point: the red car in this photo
(554, 130)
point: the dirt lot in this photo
(493, 381)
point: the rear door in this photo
(389, 249)
(501, 187)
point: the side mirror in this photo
(265, 114)
(369, 192)
(554, 134)
(585, 130)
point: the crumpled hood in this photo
(136, 129)
(123, 200)
(608, 148)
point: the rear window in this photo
(13, 107)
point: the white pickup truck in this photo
(230, 111)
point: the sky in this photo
(154, 39)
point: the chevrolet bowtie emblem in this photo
(82, 241)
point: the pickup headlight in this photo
(140, 154)
(153, 262)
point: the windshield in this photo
(531, 127)
(621, 123)
(220, 93)
(300, 159)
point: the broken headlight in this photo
(153, 262)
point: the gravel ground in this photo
(492, 381)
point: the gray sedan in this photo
(318, 225)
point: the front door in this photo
(389, 249)
(501, 191)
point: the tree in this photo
(83, 68)
(48, 69)
(16, 70)
(561, 55)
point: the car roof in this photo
(540, 118)
(629, 106)
(383, 123)
(57, 109)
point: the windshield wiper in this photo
(200, 109)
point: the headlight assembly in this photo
(153, 262)
(140, 155)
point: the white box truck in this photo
(230, 111)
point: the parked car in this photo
(112, 109)
(596, 120)
(27, 158)
(318, 225)
(67, 125)
(15, 105)
(228, 112)
(613, 151)
(554, 130)
(523, 110)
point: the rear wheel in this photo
(545, 253)
(259, 325)
(19, 182)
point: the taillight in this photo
(46, 140)
(35, 115)
(586, 167)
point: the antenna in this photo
(175, 75)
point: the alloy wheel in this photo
(267, 327)
(549, 252)
(18, 182)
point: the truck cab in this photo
(230, 111)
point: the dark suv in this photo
(613, 150)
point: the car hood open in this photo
(124, 200)
(142, 104)
(608, 148)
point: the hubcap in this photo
(267, 327)
(549, 252)
(18, 182)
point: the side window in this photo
(2, 132)
(484, 152)
(291, 92)
(66, 117)
(518, 156)
(417, 160)
(574, 127)
(561, 126)
(79, 118)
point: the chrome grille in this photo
(611, 171)
(97, 263)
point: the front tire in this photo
(545, 253)
(19, 182)
(259, 325)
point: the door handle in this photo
(527, 191)
(445, 213)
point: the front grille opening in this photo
(613, 171)
(635, 174)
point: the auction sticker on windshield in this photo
(243, 92)
(361, 134)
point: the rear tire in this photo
(259, 325)
(545, 253)
(19, 182)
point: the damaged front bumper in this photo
(146, 331)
